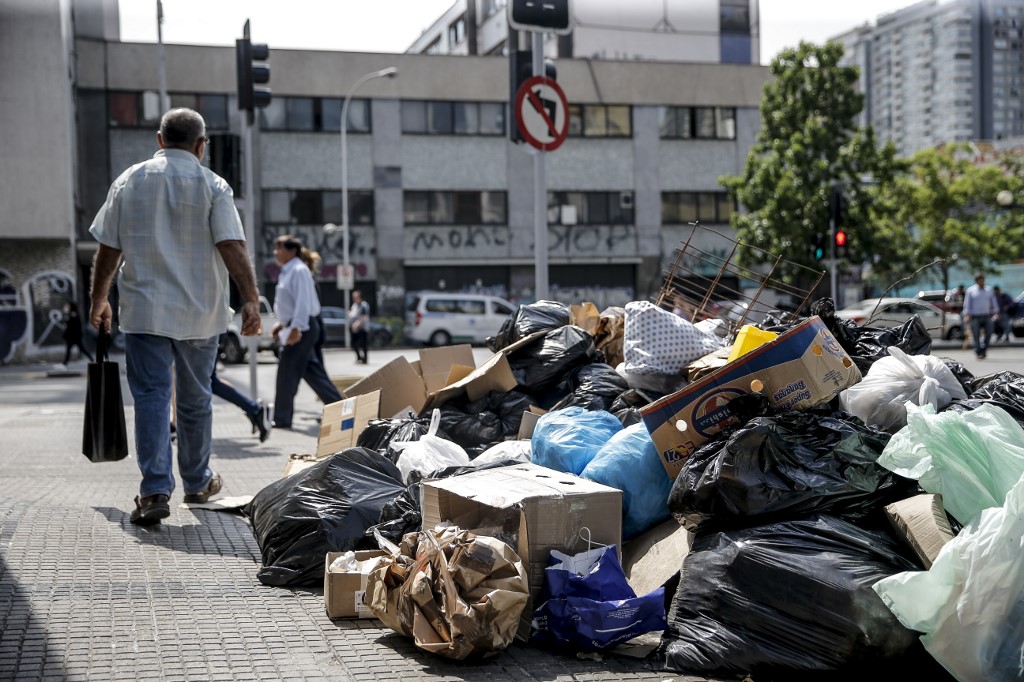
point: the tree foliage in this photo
(808, 141)
(946, 204)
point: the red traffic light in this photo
(840, 238)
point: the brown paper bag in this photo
(454, 593)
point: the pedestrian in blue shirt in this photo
(982, 310)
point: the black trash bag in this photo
(592, 387)
(793, 596)
(379, 434)
(626, 407)
(528, 319)
(325, 508)
(1004, 390)
(509, 407)
(865, 345)
(470, 425)
(962, 374)
(539, 367)
(791, 464)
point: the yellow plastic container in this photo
(748, 338)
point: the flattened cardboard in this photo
(436, 364)
(493, 375)
(652, 558)
(400, 386)
(804, 367)
(544, 508)
(529, 422)
(297, 462)
(343, 421)
(343, 591)
(921, 521)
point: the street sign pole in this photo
(249, 206)
(540, 195)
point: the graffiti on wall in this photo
(592, 240)
(32, 319)
(461, 241)
(362, 248)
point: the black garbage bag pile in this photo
(476, 425)
(540, 367)
(1004, 390)
(379, 434)
(865, 345)
(792, 596)
(325, 508)
(592, 387)
(529, 319)
(793, 463)
(626, 407)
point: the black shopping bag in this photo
(104, 436)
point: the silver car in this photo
(892, 312)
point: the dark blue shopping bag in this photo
(590, 605)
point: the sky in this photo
(392, 25)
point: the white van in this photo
(440, 319)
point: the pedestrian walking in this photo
(256, 410)
(73, 332)
(1007, 308)
(313, 261)
(359, 321)
(297, 309)
(980, 310)
(172, 226)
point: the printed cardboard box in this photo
(344, 420)
(803, 367)
(533, 508)
(343, 591)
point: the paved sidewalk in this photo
(86, 595)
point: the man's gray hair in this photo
(182, 128)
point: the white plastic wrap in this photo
(429, 453)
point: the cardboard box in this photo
(654, 557)
(437, 363)
(801, 368)
(529, 422)
(493, 375)
(344, 420)
(536, 508)
(297, 462)
(921, 521)
(343, 592)
(401, 388)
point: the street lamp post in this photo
(389, 72)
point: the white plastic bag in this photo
(429, 453)
(509, 450)
(881, 398)
(655, 341)
(970, 604)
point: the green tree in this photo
(945, 205)
(808, 141)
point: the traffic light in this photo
(520, 69)
(550, 16)
(841, 240)
(818, 248)
(250, 73)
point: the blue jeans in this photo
(297, 363)
(231, 394)
(979, 322)
(150, 360)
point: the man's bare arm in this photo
(104, 267)
(236, 258)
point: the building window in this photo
(600, 120)
(315, 207)
(708, 123)
(143, 109)
(314, 114)
(453, 118)
(434, 47)
(590, 208)
(457, 31)
(679, 208)
(454, 208)
(734, 16)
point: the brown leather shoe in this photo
(150, 509)
(211, 489)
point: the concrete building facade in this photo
(439, 197)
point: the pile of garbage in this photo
(849, 500)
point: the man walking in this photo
(980, 309)
(359, 318)
(175, 224)
(297, 308)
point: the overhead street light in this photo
(1005, 199)
(389, 72)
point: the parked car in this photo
(439, 318)
(943, 300)
(233, 348)
(891, 312)
(335, 321)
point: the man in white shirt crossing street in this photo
(981, 310)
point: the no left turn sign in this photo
(542, 113)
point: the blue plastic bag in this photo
(591, 606)
(630, 462)
(566, 440)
